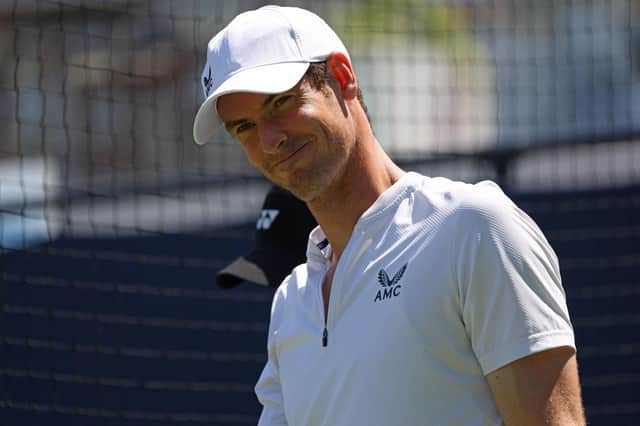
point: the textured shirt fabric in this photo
(441, 283)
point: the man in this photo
(423, 301)
(282, 231)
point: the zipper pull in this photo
(325, 336)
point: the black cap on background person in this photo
(282, 232)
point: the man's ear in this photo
(340, 68)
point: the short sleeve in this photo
(511, 295)
(268, 389)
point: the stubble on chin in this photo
(310, 185)
(299, 184)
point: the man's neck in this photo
(338, 210)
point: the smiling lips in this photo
(290, 157)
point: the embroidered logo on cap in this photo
(207, 81)
(266, 219)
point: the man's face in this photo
(299, 139)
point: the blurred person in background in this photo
(423, 300)
(282, 232)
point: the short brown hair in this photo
(318, 75)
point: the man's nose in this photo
(272, 137)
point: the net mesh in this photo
(113, 222)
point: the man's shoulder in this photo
(460, 196)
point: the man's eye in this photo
(281, 101)
(243, 127)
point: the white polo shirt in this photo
(441, 283)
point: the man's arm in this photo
(268, 389)
(539, 389)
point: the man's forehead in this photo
(233, 106)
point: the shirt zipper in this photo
(325, 333)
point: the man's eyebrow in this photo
(231, 124)
(269, 99)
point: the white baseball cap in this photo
(266, 50)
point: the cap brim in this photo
(261, 266)
(266, 79)
(239, 271)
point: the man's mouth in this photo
(290, 156)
